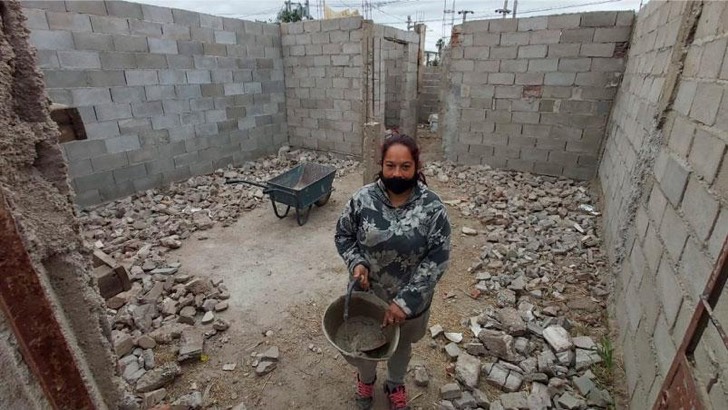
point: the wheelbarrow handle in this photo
(243, 181)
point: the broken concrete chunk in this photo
(168, 332)
(272, 354)
(600, 398)
(148, 357)
(469, 231)
(164, 271)
(450, 391)
(539, 399)
(558, 338)
(445, 405)
(208, 318)
(481, 399)
(436, 330)
(123, 343)
(199, 286)
(570, 402)
(586, 358)
(228, 367)
(222, 306)
(584, 384)
(502, 377)
(157, 378)
(209, 305)
(475, 349)
(498, 344)
(454, 337)
(187, 315)
(152, 398)
(220, 325)
(506, 298)
(190, 401)
(467, 370)
(452, 350)
(511, 321)
(584, 342)
(464, 402)
(422, 378)
(146, 342)
(264, 368)
(514, 400)
(191, 344)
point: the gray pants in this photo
(409, 332)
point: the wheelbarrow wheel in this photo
(323, 200)
(302, 217)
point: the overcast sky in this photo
(395, 12)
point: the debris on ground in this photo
(540, 252)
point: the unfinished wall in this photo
(664, 176)
(428, 96)
(54, 336)
(164, 93)
(324, 68)
(333, 73)
(533, 94)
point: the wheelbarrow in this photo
(300, 188)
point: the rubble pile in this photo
(163, 306)
(539, 279)
(145, 225)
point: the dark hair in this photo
(414, 149)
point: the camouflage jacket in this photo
(406, 249)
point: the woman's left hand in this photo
(394, 315)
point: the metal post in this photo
(515, 7)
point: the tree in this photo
(292, 16)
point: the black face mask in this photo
(398, 185)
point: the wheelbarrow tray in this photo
(303, 185)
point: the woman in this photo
(394, 236)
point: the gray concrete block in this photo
(188, 91)
(157, 14)
(93, 41)
(127, 94)
(182, 133)
(141, 77)
(563, 21)
(87, 7)
(198, 77)
(503, 25)
(117, 60)
(151, 61)
(515, 39)
(205, 62)
(526, 117)
(215, 49)
(513, 66)
(186, 18)
(548, 168)
(47, 59)
(147, 109)
(166, 121)
(214, 22)
(172, 77)
(80, 150)
(110, 25)
(90, 96)
(673, 178)
(112, 112)
(94, 181)
(130, 173)
(212, 90)
(612, 34)
(68, 22)
(162, 46)
(599, 19)
(129, 126)
(160, 92)
(503, 53)
(501, 78)
(190, 48)
(720, 232)
(530, 78)
(706, 155)
(175, 106)
(225, 37)
(700, 208)
(594, 79)
(560, 79)
(202, 104)
(122, 143)
(36, 19)
(543, 65)
(564, 50)
(100, 130)
(51, 40)
(126, 43)
(486, 39)
(597, 49)
(145, 28)
(532, 23)
(697, 266)
(202, 34)
(124, 9)
(65, 78)
(79, 59)
(582, 173)
(575, 64)
(232, 24)
(579, 35)
(706, 102)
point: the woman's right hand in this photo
(361, 273)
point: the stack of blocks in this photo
(533, 94)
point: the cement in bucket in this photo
(366, 306)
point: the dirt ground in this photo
(281, 278)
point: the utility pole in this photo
(409, 23)
(288, 5)
(515, 7)
(465, 14)
(504, 11)
(308, 11)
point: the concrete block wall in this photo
(398, 52)
(164, 93)
(324, 71)
(533, 94)
(664, 175)
(428, 96)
